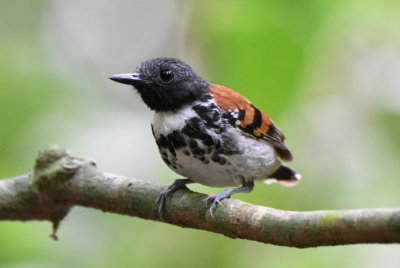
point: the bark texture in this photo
(61, 180)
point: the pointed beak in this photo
(129, 79)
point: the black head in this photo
(166, 84)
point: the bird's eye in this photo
(166, 75)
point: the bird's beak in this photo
(130, 79)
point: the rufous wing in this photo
(250, 119)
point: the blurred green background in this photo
(328, 72)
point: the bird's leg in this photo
(162, 197)
(247, 187)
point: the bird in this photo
(208, 133)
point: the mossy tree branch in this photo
(60, 181)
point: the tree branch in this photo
(60, 180)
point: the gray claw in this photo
(162, 197)
(215, 199)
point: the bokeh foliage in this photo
(305, 63)
(259, 47)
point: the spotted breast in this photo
(200, 141)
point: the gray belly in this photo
(228, 159)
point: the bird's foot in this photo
(216, 199)
(162, 197)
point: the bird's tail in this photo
(284, 175)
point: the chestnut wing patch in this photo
(242, 114)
